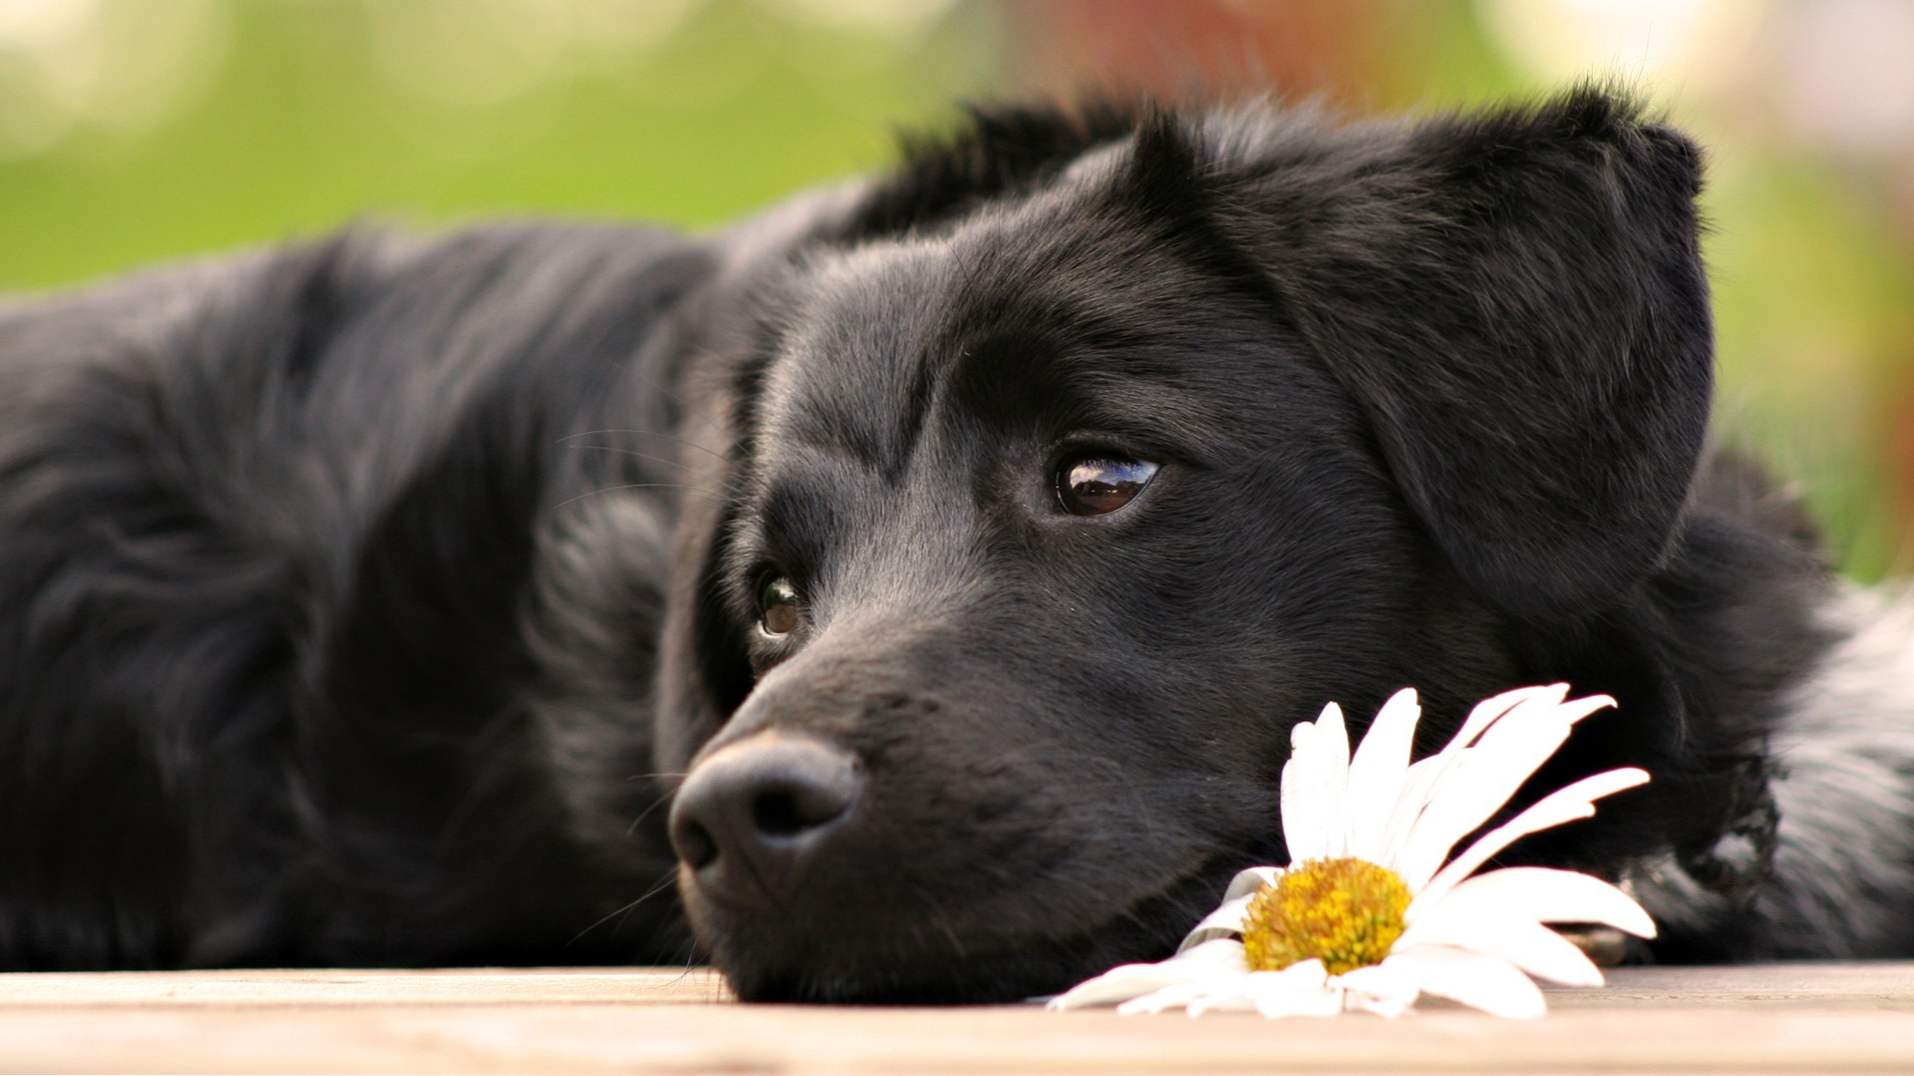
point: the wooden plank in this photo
(1778, 1018)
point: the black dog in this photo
(971, 537)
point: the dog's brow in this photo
(1109, 379)
(916, 412)
(791, 515)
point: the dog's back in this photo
(266, 527)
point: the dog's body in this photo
(365, 602)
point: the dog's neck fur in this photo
(1793, 687)
(1841, 753)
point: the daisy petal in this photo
(1477, 785)
(1417, 783)
(1250, 881)
(1227, 919)
(1472, 789)
(1276, 1006)
(1552, 896)
(1218, 992)
(1419, 786)
(1483, 982)
(1562, 806)
(1315, 780)
(1237, 999)
(1332, 741)
(1518, 940)
(1303, 834)
(1389, 1008)
(1493, 709)
(1298, 990)
(1376, 773)
(1380, 989)
(1208, 961)
(1301, 989)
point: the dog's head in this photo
(1055, 499)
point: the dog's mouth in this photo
(909, 957)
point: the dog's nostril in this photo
(790, 810)
(776, 814)
(694, 845)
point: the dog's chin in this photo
(930, 977)
(883, 960)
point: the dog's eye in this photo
(778, 607)
(1095, 485)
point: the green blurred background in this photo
(139, 130)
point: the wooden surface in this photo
(1798, 1018)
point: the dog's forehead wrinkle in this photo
(855, 369)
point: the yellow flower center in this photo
(1344, 912)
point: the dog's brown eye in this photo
(778, 607)
(1094, 485)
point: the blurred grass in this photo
(1814, 328)
(302, 130)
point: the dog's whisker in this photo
(686, 441)
(638, 485)
(646, 813)
(941, 919)
(664, 883)
(751, 868)
(654, 776)
(622, 451)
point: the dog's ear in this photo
(1517, 302)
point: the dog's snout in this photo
(748, 818)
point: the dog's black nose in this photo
(749, 817)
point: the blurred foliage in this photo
(309, 123)
(279, 118)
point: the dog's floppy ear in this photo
(1517, 302)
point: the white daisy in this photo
(1372, 911)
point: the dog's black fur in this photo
(363, 602)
